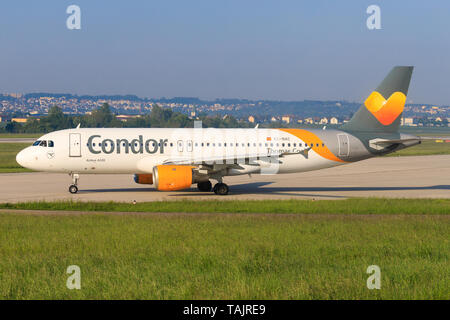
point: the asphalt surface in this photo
(395, 177)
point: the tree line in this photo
(103, 117)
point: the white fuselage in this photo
(119, 150)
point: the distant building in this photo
(126, 117)
(323, 121)
(334, 120)
(286, 119)
(309, 120)
(273, 119)
(15, 95)
(19, 120)
(407, 121)
(251, 119)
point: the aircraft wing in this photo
(217, 163)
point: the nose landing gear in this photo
(73, 187)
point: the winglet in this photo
(78, 126)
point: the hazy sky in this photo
(256, 49)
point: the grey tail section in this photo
(364, 121)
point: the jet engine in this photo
(143, 178)
(172, 177)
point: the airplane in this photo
(175, 159)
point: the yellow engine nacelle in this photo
(170, 178)
(143, 178)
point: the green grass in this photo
(224, 256)
(424, 131)
(8, 152)
(21, 135)
(426, 148)
(346, 206)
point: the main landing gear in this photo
(219, 188)
(204, 186)
(73, 187)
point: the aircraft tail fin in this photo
(382, 110)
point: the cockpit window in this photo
(44, 143)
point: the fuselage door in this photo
(344, 145)
(75, 145)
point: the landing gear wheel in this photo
(221, 189)
(204, 186)
(73, 189)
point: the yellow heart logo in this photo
(386, 111)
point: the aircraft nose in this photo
(22, 158)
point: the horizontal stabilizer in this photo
(380, 143)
